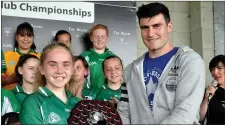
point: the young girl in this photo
(24, 44)
(113, 70)
(81, 71)
(96, 55)
(26, 73)
(82, 87)
(64, 37)
(53, 102)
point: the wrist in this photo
(205, 99)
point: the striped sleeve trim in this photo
(124, 93)
(124, 99)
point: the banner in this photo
(119, 17)
(66, 11)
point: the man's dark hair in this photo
(61, 32)
(153, 9)
(214, 62)
(25, 29)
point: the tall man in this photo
(166, 84)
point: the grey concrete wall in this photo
(201, 28)
(219, 26)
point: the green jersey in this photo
(9, 102)
(44, 107)
(20, 94)
(106, 93)
(3, 66)
(88, 92)
(95, 60)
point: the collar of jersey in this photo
(106, 49)
(106, 86)
(18, 51)
(19, 88)
(88, 84)
(46, 92)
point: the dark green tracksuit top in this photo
(95, 60)
(43, 107)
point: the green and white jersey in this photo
(44, 107)
(3, 65)
(95, 60)
(19, 93)
(9, 102)
(88, 92)
(106, 93)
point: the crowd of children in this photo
(46, 87)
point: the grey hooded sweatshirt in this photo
(178, 95)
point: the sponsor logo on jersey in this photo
(92, 63)
(11, 63)
(53, 117)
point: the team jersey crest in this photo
(53, 118)
(11, 63)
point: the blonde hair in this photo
(98, 26)
(44, 53)
(72, 86)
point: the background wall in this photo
(199, 25)
(219, 26)
(119, 17)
